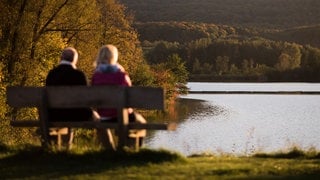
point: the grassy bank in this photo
(33, 163)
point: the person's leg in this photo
(105, 139)
(105, 136)
(70, 138)
(139, 118)
(95, 116)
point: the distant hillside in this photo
(184, 32)
(301, 35)
(248, 13)
(181, 32)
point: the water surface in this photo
(243, 124)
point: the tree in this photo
(196, 67)
(222, 64)
(82, 24)
(293, 56)
(31, 42)
(165, 79)
(283, 62)
(207, 68)
(34, 24)
(33, 33)
(178, 68)
(234, 69)
(161, 51)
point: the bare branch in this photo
(66, 29)
(42, 30)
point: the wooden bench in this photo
(121, 98)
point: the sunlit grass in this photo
(293, 153)
(31, 162)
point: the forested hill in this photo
(232, 40)
(253, 13)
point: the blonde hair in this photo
(108, 54)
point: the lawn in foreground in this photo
(34, 163)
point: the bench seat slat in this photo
(25, 123)
(153, 126)
(91, 124)
(83, 124)
(20, 97)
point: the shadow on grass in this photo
(34, 162)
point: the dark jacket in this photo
(66, 75)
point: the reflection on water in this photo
(188, 107)
(243, 124)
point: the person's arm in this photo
(121, 67)
(128, 80)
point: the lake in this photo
(244, 124)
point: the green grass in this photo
(31, 162)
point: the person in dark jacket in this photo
(66, 74)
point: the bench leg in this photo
(59, 141)
(135, 142)
(64, 136)
(132, 143)
(138, 144)
(136, 138)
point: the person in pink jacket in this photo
(109, 72)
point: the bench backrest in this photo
(87, 96)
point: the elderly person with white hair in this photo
(109, 72)
(66, 74)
